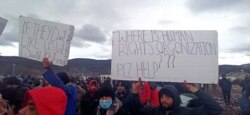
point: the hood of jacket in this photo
(48, 100)
(171, 90)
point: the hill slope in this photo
(23, 66)
(79, 66)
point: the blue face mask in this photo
(105, 104)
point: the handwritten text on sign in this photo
(39, 38)
(165, 55)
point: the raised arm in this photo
(209, 105)
(52, 78)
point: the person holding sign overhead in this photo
(61, 80)
(169, 100)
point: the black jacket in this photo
(123, 98)
(225, 84)
(208, 107)
(89, 104)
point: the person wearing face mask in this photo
(89, 101)
(169, 100)
(108, 104)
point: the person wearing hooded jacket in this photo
(61, 80)
(44, 101)
(169, 100)
(122, 93)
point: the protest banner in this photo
(3, 23)
(41, 38)
(165, 56)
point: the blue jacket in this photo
(69, 89)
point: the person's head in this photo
(29, 109)
(35, 83)
(64, 77)
(247, 77)
(45, 83)
(153, 85)
(108, 79)
(106, 96)
(45, 101)
(121, 87)
(92, 86)
(31, 105)
(169, 97)
(13, 82)
(223, 76)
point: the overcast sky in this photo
(231, 18)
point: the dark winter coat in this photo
(209, 106)
(89, 104)
(245, 84)
(245, 103)
(225, 84)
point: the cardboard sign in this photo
(41, 38)
(3, 23)
(165, 56)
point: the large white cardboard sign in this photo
(167, 56)
(41, 38)
(3, 23)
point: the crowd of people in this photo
(58, 94)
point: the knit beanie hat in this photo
(106, 90)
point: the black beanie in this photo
(106, 90)
(64, 77)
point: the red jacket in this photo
(145, 95)
(154, 98)
(148, 96)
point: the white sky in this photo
(229, 17)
